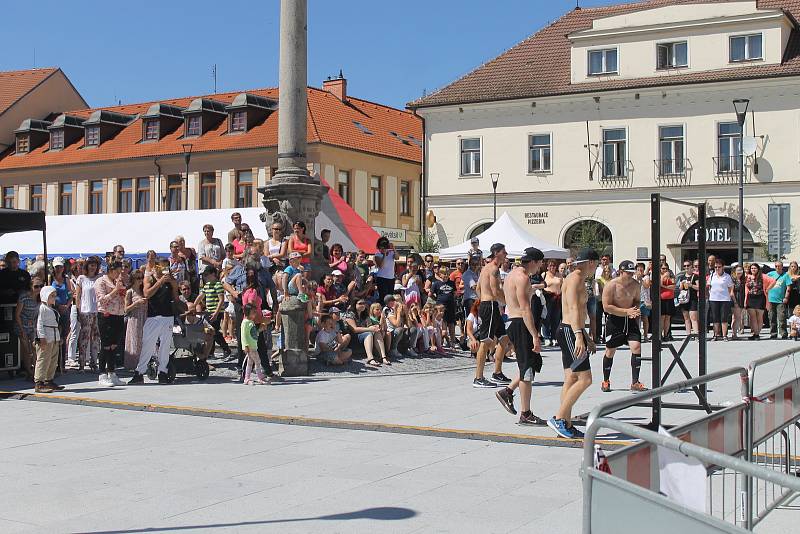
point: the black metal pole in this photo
(494, 200)
(740, 240)
(702, 323)
(186, 205)
(655, 298)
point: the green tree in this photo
(589, 234)
(426, 243)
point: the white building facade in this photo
(583, 121)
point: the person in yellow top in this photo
(249, 335)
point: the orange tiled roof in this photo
(540, 65)
(330, 121)
(17, 83)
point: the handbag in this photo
(683, 296)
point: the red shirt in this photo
(455, 277)
(327, 294)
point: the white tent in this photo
(74, 235)
(506, 231)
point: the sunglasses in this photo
(38, 287)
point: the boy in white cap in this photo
(49, 341)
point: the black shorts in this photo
(529, 362)
(756, 302)
(492, 325)
(667, 307)
(621, 331)
(566, 340)
(449, 313)
(720, 311)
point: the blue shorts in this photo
(363, 335)
(644, 310)
(591, 305)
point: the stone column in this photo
(293, 194)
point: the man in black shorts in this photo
(523, 333)
(621, 305)
(492, 327)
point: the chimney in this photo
(337, 86)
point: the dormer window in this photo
(23, 144)
(672, 55)
(746, 48)
(238, 121)
(57, 139)
(193, 126)
(151, 130)
(603, 62)
(92, 136)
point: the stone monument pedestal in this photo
(294, 357)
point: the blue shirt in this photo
(778, 291)
(238, 278)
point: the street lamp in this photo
(187, 155)
(495, 176)
(740, 106)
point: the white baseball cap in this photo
(58, 261)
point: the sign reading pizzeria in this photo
(718, 230)
(536, 217)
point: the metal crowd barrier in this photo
(751, 450)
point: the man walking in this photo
(492, 327)
(524, 335)
(777, 307)
(576, 345)
(621, 304)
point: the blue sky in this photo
(147, 50)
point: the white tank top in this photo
(274, 249)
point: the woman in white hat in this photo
(49, 341)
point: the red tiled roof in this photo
(540, 65)
(330, 121)
(17, 83)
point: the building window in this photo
(471, 157)
(174, 192)
(671, 151)
(208, 191)
(746, 47)
(37, 198)
(343, 185)
(728, 147)
(125, 196)
(23, 144)
(96, 197)
(65, 199)
(8, 197)
(193, 126)
(143, 194)
(672, 55)
(151, 129)
(615, 163)
(92, 135)
(405, 200)
(57, 139)
(244, 189)
(539, 150)
(603, 61)
(375, 193)
(238, 121)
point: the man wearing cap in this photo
(475, 249)
(13, 280)
(492, 327)
(576, 345)
(621, 298)
(523, 334)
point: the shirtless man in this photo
(576, 345)
(492, 327)
(523, 334)
(621, 304)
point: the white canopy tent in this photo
(506, 231)
(75, 235)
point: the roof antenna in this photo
(341, 76)
(577, 4)
(214, 75)
(34, 57)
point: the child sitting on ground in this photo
(794, 323)
(329, 343)
(249, 335)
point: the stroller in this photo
(191, 345)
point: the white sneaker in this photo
(105, 381)
(115, 380)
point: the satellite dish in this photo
(749, 145)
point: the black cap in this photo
(532, 254)
(387, 299)
(497, 247)
(627, 266)
(587, 254)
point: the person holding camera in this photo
(161, 292)
(110, 292)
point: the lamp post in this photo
(740, 106)
(187, 156)
(495, 176)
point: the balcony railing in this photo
(671, 168)
(615, 169)
(727, 166)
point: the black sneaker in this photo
(482, 383)
(136, 379)
(506, 398)
(500, 378)
(163, 378)
(576, 433)
(528, 419)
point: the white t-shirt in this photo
(476, 323)
(88, 296)
(599, 272)
(327, 337)
(387, 269)
(794, 322)
(719, 287)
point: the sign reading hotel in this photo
(536, 217)
(394, 234)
